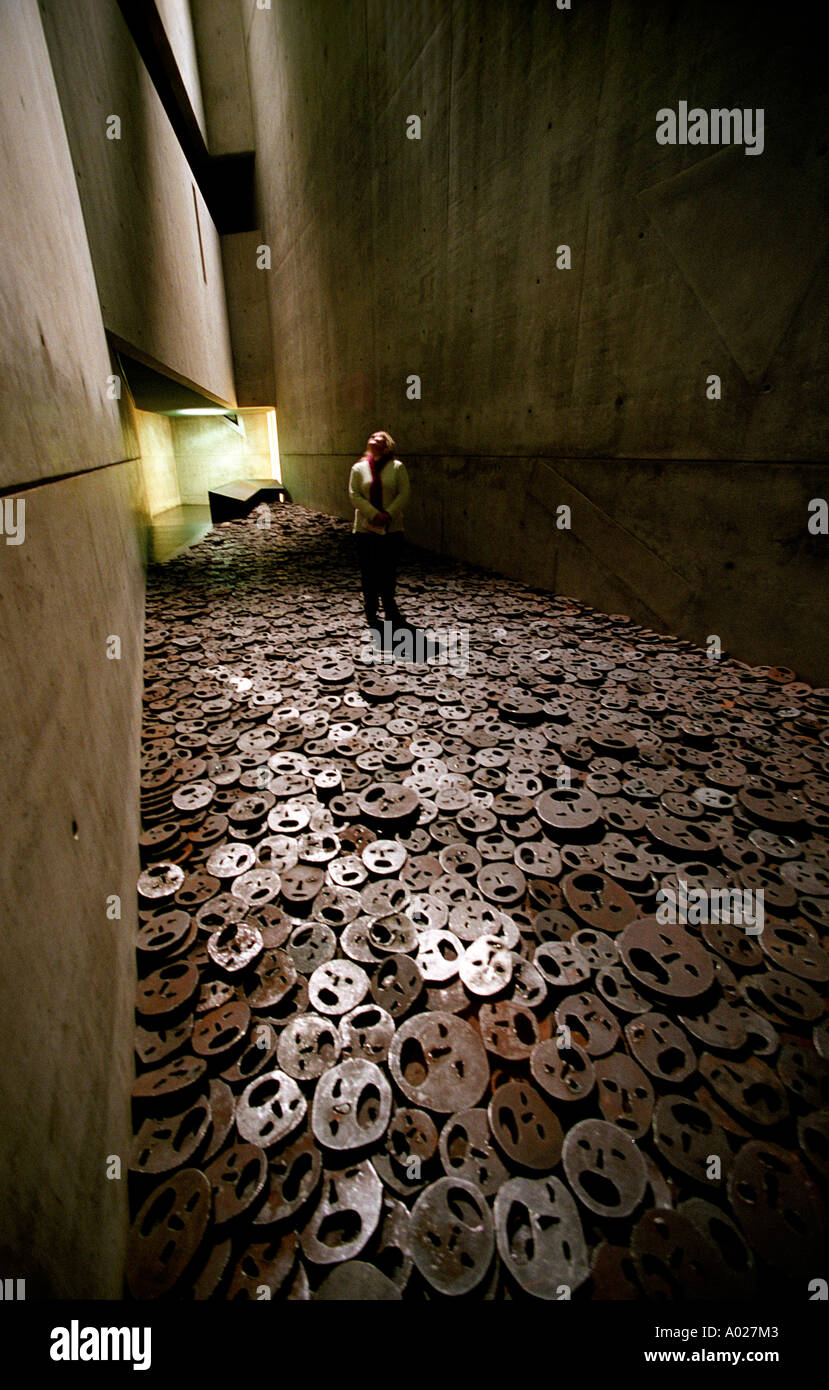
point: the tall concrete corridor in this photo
(574, 258)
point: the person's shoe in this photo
(398, 622)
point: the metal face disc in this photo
(486, 966)
(540, 1237)
(236, 947)
(355, 1281)
(337, 987)
(688, 1137)
(625, 1094)
(598, 901)
(167, 989)
(273, 977)
(223, 1113)
(750, 1088)
(561, 965)
(270, 1109)
(719, 1027)
(777, 1207)
(604, 1168)
(508, 1029)
(564, 1073)
(366, 1032)
(616, 989)
(524, 1126)
(569, 814)
(590, 1023)
(167, 1087)
(597, 947)
(167, 1233)
(221, 1031)
(258, 1055)
(393, 934)
(439, 1062)
(160, 935)
(346, 1216)
(661, 1047)
(264, 1266)
(352, 1105)
(451, 1236)
(665, 960)
(294, 1172)
(439, 954)
(528, 984)
(163, 1144)
(308, 1046)
(674, 1258)
(237, 1178)
(735, 1273)
(467, 1151)
(152, 1047)
(396, 984)
(412, 1134)
(311, 946)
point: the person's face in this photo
(377, 446)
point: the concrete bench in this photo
(233, 500)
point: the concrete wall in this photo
(438, 257)
(154, 246)
(158, 461)
(69, 717)
(178, 26)
(209, 452)
(219, 32)
(249, 318)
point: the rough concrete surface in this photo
(68, 801)
(155, 249)
(438, 257)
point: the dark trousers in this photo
(377, 557)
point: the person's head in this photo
(380, 445)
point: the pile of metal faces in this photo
(505, 981)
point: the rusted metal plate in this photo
(604, 1168)
(268, 1265)
(167, 1233)
(689, 1138)
(237, 1177)
(269, 1109)
(665, 960)
(294, 1172)
(352, 1105)
(451, 1236)
(777, 1207)
(625, 1093)
(346, 1215)
(540, 1237)
(524, 1127)
(451, 878)
(439, 1062)
(674, 1257)
(163, 1144)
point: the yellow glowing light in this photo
(273, 445)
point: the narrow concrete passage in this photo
(500, 976)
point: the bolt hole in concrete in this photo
(254, 679)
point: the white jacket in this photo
(395, 483)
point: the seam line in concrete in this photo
(612, 522)
(62, 477)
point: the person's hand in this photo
(381, 520)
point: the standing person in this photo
(378, 489)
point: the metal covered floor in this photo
(408, 1025)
